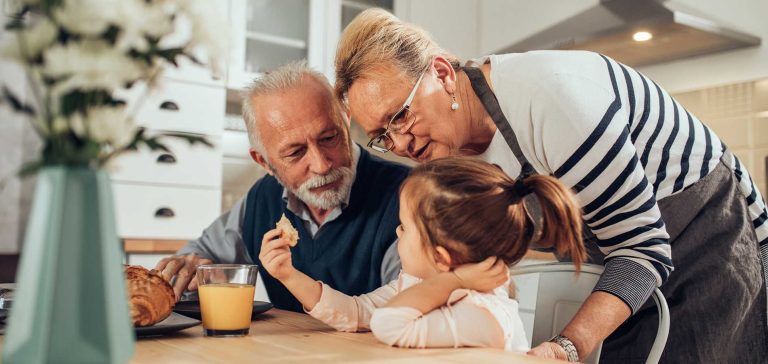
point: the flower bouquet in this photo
(79, 56)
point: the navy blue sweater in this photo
(347, 252)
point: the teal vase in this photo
(70, 305)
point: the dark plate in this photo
(172, 323)
(192, 308)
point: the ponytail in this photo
(474, 210)
(561, 221)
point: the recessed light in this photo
(642, 36)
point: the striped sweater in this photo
(622, 143)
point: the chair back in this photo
(559, 293)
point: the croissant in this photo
(151, 297)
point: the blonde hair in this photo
(376, 37)
(285, 77)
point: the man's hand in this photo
(483, 276)
(275, 255)
(549, 350)
(184, 268)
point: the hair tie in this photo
(520, 189)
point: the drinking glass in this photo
(226, 298)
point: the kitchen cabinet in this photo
(351, 8)
(164, 199)
(171, 196)
(269, 33)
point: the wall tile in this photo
(760, 96)
(758, 164)
(692, 101)
(734, 132)
(760, 131)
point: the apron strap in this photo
(491, 104)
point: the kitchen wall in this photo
(18, 144)
(738, 113)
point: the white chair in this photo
(560, 293)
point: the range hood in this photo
(609, 27)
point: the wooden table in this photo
(288, 337)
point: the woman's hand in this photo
(483, 276)
(549, 350)
(275, 255)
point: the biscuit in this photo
(288, 231)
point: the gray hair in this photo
(290, 75)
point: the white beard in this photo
(329, 199)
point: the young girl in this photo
(462, 222)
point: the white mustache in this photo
(319, 181)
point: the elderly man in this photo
(342, 200)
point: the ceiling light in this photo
(642, 36)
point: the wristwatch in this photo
(567, 345)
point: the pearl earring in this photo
(454, 105)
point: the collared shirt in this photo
(300, 209)
(222, 241)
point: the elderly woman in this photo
(653, 181)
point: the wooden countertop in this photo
(289, 337)
(149, 246)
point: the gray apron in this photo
(717, 291)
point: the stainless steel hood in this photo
(609, 27)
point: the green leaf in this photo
(29, 169)
(170, 54)
(190, 138)
(26, 170)
(195, 60)
(17, 104)
(15, 24)
(79, 101)
(111, 34)
(154, 144)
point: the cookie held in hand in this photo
(288, 231)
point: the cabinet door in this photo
(270, 33)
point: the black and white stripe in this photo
(622, 143)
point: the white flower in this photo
(89, 65)
(208, 31)
(87, 17)
(137, 20)
(77, 125)
(59, 125)
(29, 42)
(34, 39)
(110, 125)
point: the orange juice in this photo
(226, 307)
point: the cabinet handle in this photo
(166, 158)
(164, 212)
(169, 106)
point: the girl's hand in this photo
(483, 276)
(275, 255)
(549, 350)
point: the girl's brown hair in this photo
(474, 210)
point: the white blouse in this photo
(469, 319)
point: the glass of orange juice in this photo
(226, 298)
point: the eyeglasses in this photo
(400, 123)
